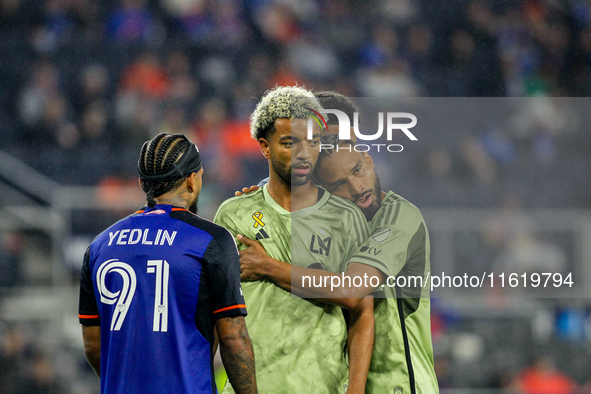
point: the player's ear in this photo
(264, 144)
(192, 182)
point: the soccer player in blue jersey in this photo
(156, 285)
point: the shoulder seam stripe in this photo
(386, 218)
(340, 205)
(351, 207)
(339, 202)
(345, 204)
(354, 212)
(239, 306)
(391, 217)
(396, 213)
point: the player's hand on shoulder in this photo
(251, 259)
(246, 190)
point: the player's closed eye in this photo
(339, 185)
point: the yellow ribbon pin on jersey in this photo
(257, 216)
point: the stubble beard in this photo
(370, 211)
(193, 207)
(286, 175)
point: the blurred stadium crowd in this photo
(81, 79)
(86, 80)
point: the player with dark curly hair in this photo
(301, 346)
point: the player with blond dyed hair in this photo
(300, 346)
(402, 360)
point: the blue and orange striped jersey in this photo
(156, 282)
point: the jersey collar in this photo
(298, 213)
(161, 207)
(387, 196)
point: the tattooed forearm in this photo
(239, 366)
(237, 354)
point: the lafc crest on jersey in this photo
(258, 223)
(320, 245)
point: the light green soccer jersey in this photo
(403, 352)
(299, 344)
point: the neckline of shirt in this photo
(298, 213)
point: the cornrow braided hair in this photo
(157, 156)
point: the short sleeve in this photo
(223, 270)
(385, 250)
(396, 242)
(88, 313)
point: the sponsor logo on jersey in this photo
(262, 234)
(320, 245)
(370, 250)
(381, 234)
(157, 212)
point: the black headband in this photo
(188, 163)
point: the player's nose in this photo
(303, 152)
(356, 186)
